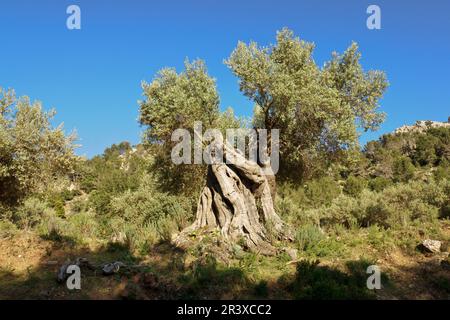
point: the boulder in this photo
(430, 246)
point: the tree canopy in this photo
(318, 110)
(32, 152)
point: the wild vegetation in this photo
(346, 207)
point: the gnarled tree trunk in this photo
(237, 200)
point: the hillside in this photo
(373, 211)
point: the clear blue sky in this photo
(92, 76)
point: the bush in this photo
(100, 200)
(444, 212)
(403, 169)
(379, 183)
(56, 201)
(395, 206)
(7, 229)
(83, 226)
(307, 236)
(78, 205)
(320, 282)
(354, 186)
(442, 173)
(377, 214)
(53, 228)
(322, 191)
(147, 216)
(148, 206)
(30, 213)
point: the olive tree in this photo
(236, 199)
(32, 152)
(317, 109)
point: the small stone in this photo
(111, 268)
(62, 272)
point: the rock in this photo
(81, 262)
(421, 126)
(430, 246)
(62, 274)
(111, 268)
(291, 252)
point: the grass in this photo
(336, 240)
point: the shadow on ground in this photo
(168, 272)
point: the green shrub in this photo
(377, 214)
(444, 212)
(379, 183)
(56, 201)
(344, 210)
(78, 205)
(403, 169)
(7, 229)
(83, 225)
(320, 282)
(53, 228)
(354, 185)
(308, 236)
(100, 200)
(442, 173)
(147, 204)
(322, 191)
(30, 213)
(423, 211)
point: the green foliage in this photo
(403, 169)
(442, 172)
(322, 191)
(76, 228)
(393, 155)
(147, 205)
(379, 183)
(354, 186)
(119, 169)
(307, 236)
(322, 283)
(56, 201)
(32, 153)
(398, 206)
(425, 152)
(146, 216)
(7, 229)
(30, 213)
(317, 109)
(175, 101)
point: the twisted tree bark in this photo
(237, 200)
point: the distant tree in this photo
(32, 152)
(318, 110)
(403, 169)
